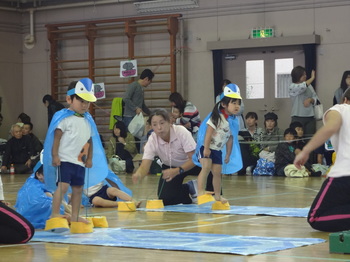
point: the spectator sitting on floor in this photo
(18, 152)
(122, 143)
(37, 146)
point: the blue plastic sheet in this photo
(183, 241)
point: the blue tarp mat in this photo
(235, 210)
(165, 240)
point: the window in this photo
(283, 79)
(255, 79)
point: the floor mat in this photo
(165, 240)
(235, 210)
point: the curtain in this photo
(217, 71)
(310, 60)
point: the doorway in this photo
(263, 75)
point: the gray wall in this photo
(11, 69)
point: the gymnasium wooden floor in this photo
(240, 190)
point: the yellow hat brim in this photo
(234, 95)
(87, 97)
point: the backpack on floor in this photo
(264, 168)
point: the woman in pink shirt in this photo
(174, 145)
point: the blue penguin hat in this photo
(84, 88)
(232, 91)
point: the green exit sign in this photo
(263, 33)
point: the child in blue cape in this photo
(219, 130)
(73, 147)
(34, 201)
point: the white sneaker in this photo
(248, 171)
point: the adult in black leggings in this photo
(14, 228)
(330, 210)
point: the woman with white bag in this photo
(304, 99)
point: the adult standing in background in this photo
(344, 84)
(134, 97)
(303, 98)
(52, 106)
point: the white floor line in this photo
(221, 223)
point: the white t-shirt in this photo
(93, 189)
(341, 143)
(76, 133)
(221, 133)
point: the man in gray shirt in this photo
(134, 97)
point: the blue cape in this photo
(33, 203)
(99, 169)
(235, 163)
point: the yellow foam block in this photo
(57, 225)
(81, 227)
(154, 204)
(218, 205)
(100, 221)
(126, 206)
(202, 199)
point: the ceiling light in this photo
(165, 5)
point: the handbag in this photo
(291, 171)
(116, 164)
(318, 110)
(137, 126)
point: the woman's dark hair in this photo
(297, 73)
(147, 73)
(215, 114)
(24, 117)
(40, 171)
(122, 127)
(29, 124)
(181, 109)
(178, 100)
(48, 98)
(225, 82)
(295, 124)
(159, 112)
(343, 84)
(252, 115)
(290, 131)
